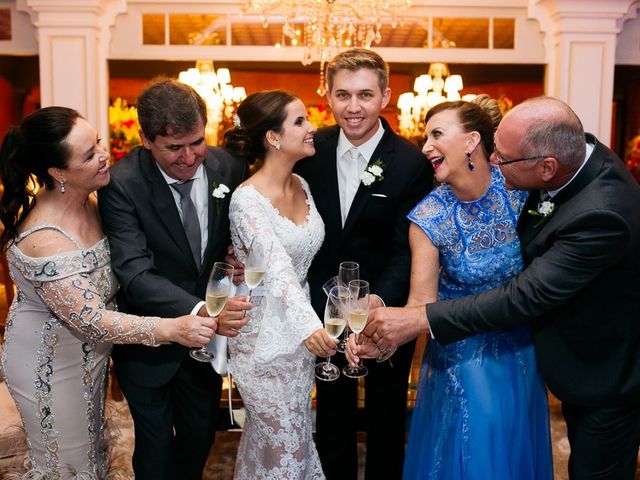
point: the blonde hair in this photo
(355, 59)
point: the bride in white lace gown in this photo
(273, 357)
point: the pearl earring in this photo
(277, 145)
(61, 186)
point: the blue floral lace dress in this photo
(481, 410)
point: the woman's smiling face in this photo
(445, 144)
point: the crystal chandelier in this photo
(221, 97)
(428, 90)
(323, 27)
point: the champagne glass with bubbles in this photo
(256, 263)
(358, 314)
(335, 319)
(347, 272)
(218, 289)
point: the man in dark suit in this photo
(580, 236)
(163, 264)
(364, 222)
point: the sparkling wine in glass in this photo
(357, 319)
(256, 263)
(218, 289)
(335, 319)
(346, 272)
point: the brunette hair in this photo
(167, 106)
(355, 59)
(481, 115)
(28, 151)
(257, 114)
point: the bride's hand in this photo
(321, 344)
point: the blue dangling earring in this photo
(470, 164)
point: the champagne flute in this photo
(218, 289)
(346, 272)
(358, 314)
(335, 319)
(256, 263)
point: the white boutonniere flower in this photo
(545, 209)
(219, 192)
(373, 173)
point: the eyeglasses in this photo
(502, 161)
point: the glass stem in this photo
(327, 363)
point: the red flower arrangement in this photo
(123, 123)
(320, 116)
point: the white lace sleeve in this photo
(76, 301)
(289, 318)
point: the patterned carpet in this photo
(222, 458)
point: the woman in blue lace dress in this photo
(481, 410)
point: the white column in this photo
(580, 47)
(73, 38)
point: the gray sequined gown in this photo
(55, 359)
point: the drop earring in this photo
(277, 146)
(470, 164)
(61, 186)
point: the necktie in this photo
(190, 220)
(352, 182)
(544, 196)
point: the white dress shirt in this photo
(351, 162)
(590, 148)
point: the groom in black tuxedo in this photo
(365, 221)
(163, 247)
(580, 236)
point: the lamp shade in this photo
(422, 84)
(453, 84)
(405, 101)
(224, 76)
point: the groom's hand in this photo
(360, 346)
(391, 326)
(232, 317)
(238, 266)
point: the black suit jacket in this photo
(580, 288)
(375, 233)
(150, 253)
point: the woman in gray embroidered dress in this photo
(61, 324)
(273, 357)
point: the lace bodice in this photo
(285, 318)
(78, 287)
(478, 245)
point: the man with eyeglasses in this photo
(580, 240)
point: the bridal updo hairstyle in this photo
(31, 149)
(482, 115)
(257, 114)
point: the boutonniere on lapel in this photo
(372, 174)
(544, 211)
(219, 193)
